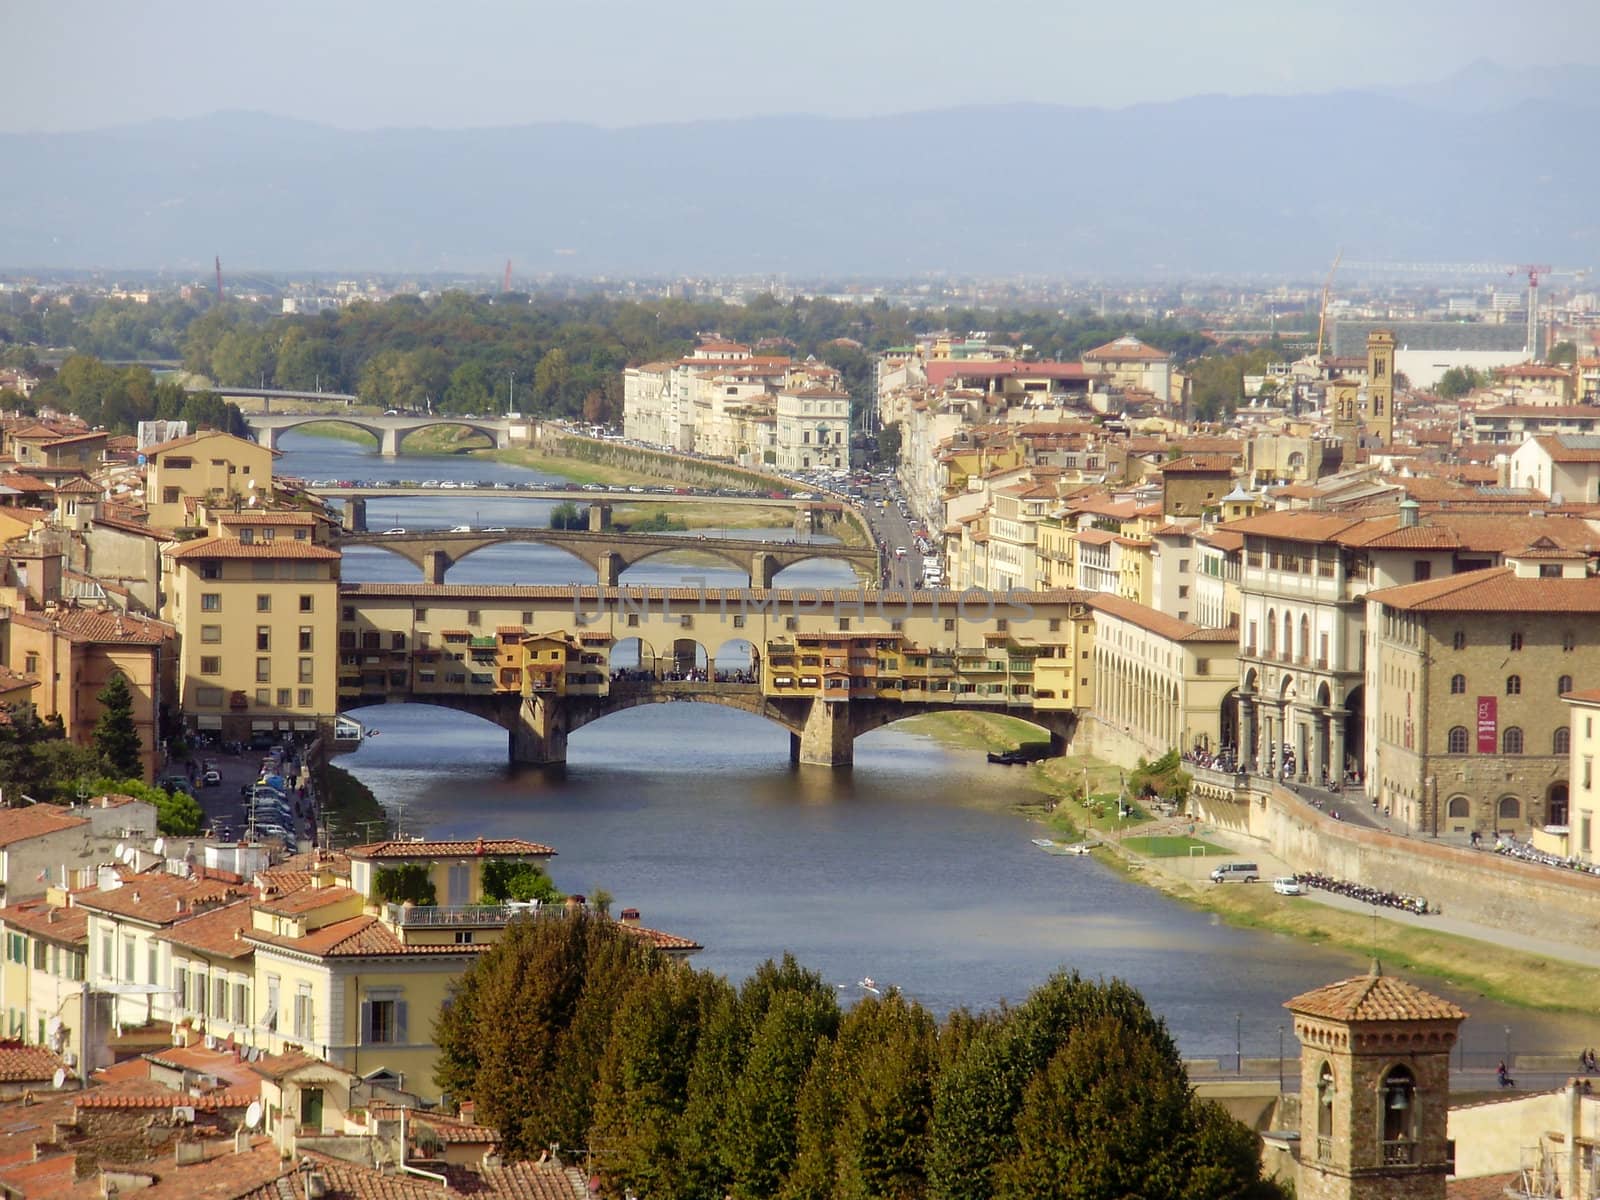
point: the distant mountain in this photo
(1206, 184)
(1484, 86)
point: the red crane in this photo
(219, 279)
(1534, 270)
(505, 282)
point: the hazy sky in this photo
(75, 64)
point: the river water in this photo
(913, 868)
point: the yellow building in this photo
(42, 988)
(257, 619)
(1575, 838)
(208, 465)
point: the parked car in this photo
(1286, 885)
(396, 529)
(212, 778)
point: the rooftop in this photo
(460, 849)
(1374, 997)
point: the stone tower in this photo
(1374, 1089)
(1380, 387)
(1345, 413)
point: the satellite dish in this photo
(59, 1078)
(122, 848)
(211, 1042)
(252, 1115)
(160, 846)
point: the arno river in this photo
(911, 868)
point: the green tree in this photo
(1457, 382)
(567, 515)
(889, 444)
(885, 1062)
(1563, 354)
(116, 739)
(522, 882)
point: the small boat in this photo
(1007, 758)
(1053, 847)
(1043, 843)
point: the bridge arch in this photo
(633, 556)
(589, 574)
(850, 572)
(284, 425)
(400, 435)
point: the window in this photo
(1459, 641)
(30, 663)
(305, 670)
(1516, 641)
(1398, 1112)
(283, 697)
(1325, 1097)
(211, 664)
(1460, 808)
(1458, 739)
(949, 624)
(210, 569)
(1458, 685)
(307, 603)
(397, 641)
(738, 622)
(211, 602)
(263, 636)
(208, 697)
(263, 670)
(241, 1003)
(219, 996)
(474, 616)
(304, 1012)
(348, 613)
(1513, 685)
(1561, 741)
(633, 620)
(527, 616)
(211, 634)
(1569, 641)
(1055, 624)
(1511, 741)
(383, 1022)
(1420, 570)
(1563, 685)
(263, 697)
(270, 1017)
(169, 495)
(1510, 808)
(180, 984)
(305, 698)
(305, 639)
(263, 602)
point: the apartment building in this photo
(812, 429)
(208, 465)
(257, 611)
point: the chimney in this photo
(1408, 513)
(629, 917)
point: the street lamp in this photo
(1280, 1058)
(1238, 1043)
(1507, 1058)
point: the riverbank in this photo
(1498, 972)
(350, 812)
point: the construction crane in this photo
(219, 279)
(1322, 316)
(1534, 270)
(505, 282)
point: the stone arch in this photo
(1288, 634)
(1508, 808)
(632, 556)
(522, 537)
(1398, 1120)
(737, 654)
(400, 435)
(858, 570)
(637, 655)
(372, 431)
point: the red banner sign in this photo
(1488, 725)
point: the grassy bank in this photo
(706, 514)
(350, 812)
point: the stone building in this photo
(1374, 1089)
(1466, 678)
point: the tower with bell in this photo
(1379, 415)
(1374, 1089)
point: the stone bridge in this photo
(390, 432)
(611, 552)
(821, 732)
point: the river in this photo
(914, 867)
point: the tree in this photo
(1563, 354)
(889, 444)
(522, 882)
(1458, 382)
(567, 515)
(115, 737)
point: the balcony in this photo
(1324, 1149)
(1399, 1154)
(443, 915)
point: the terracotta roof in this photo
(158, 898)
(98, 626)
(1158, 622)
(1495, 589)
(36, 820)
(1209, 464)
(215, 932)
(462, 849)
(659, 939)
(281, 1066)
(1559, 448)
(24, 1064)
(1484, 1187)
(288, 516)
(63, 924)
(306, 899)
(1126, 348)
(1374, 997)
(227, 547)
(1583, 696)
(358, 937)
(197, 436)
(78, 487)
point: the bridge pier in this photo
(804, 523)
(539, 733)
(827, 739)
(763, 569)
(599, 518)
(608, 568)
(434, 564)
(355, 514)
(389, 443)
(267, 438)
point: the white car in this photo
(461, 529)
(1287, 885)
(396, 529)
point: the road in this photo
(223, 804)
(891, 529)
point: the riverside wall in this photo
(1475, 885)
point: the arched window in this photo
(1305, 636)
(1510, 808)
(1272, 631)
(1563, 685)
(1398, 1114)
(1516, 641)
(1561, 743)
(1513, 685)
(1325, 1096)
(1288, 635)
(1458, 685)
(1556, 805)
(1459, 641)
(1511, 741)
(1458, 739)
(1460, 808)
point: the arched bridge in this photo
(391, 432)
(612, 552)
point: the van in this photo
(1236, 873)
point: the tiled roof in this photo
(358, 937)
(98, 627)
(1374, 997)
(462, 849)
(1494, 589)
(147, 1094)
(288, 516)
(24, 1064)
(63, 924)
(158, 898)
(215, 932)
(281, 1066)
(660, 939)
(1124, 349)
(306, 899)
(36, 820)
(1209, 464)
(1484, 1187)
(191, 439)
(1158, 622)
(227, 547)
(78, 487)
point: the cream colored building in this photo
(813, 429)
(1578, 838)
(208, 465)
(257, 616)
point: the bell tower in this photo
(1380, 387)
(1374, 1089)
(1345, 413)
